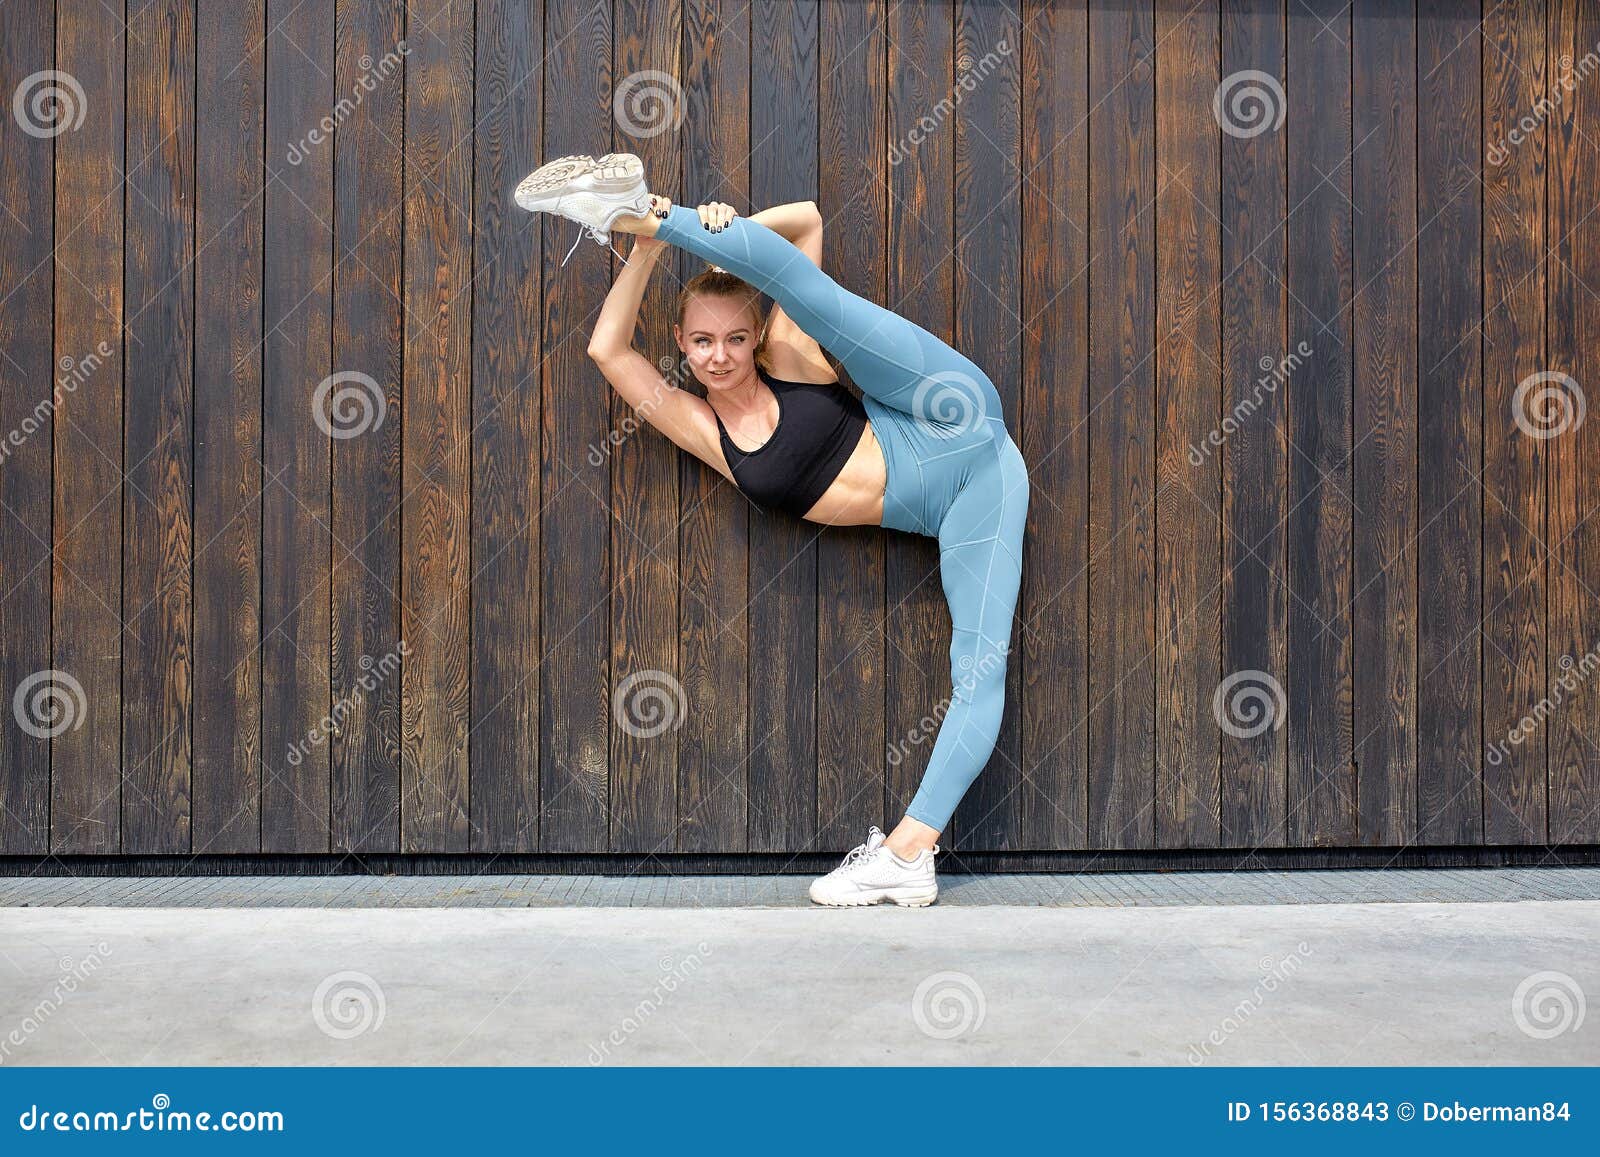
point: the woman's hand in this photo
(715, 215)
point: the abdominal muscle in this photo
(855, 496)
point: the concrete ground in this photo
(1462, 981)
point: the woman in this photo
(925, 450)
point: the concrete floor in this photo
(1318, 984)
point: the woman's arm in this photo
(687, 420)
(619, 315)
(799, 222)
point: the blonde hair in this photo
(718, 282)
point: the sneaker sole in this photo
(906, 898)
(612, 173)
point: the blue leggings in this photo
(954, 473)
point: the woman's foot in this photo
(593, 191)
(872, 873)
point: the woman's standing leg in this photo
(980, 566)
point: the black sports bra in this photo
(818, 427)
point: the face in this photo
(718, 339)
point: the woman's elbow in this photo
(602, 351)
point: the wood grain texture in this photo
(1278, 392)
(1053, 605)
(506, 576)
(644, 467)
(1384, 189)
(158, 448)
(1122, 427)
(229, 216)
(365, 472)
(1189, 470)
(1317, 394)
(1249, 704)
(296, 497)
(1574, 329)
(1450, 426)
(27, 190)
(1514, 528)
(85, 782)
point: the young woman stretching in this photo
(924, 451)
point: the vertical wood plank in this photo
(1052, 647)
(713, 544)
(158, 662)
(988, 321)
(50, 704)
(436, 538)
(784, 577)
(1122, 426)
(368, 338)
(1384, 189)
(853, 197)
(921, 287)
(1188, 385)
(576, 686)
(1321, 805)
(642, 465)
(506, 543)
(1249, 702)
(1514, 528)
(295, 631)
(1574, 330)
(86, 628)
(230, 183)
(1450, 429)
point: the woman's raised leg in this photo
(890, 358)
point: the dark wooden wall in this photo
(203, 573)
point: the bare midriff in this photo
(855, 497)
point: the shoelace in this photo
(601, 237)
(854, 856)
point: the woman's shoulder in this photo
(798, 373)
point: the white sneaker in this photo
(872, 873)
(593, 191)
